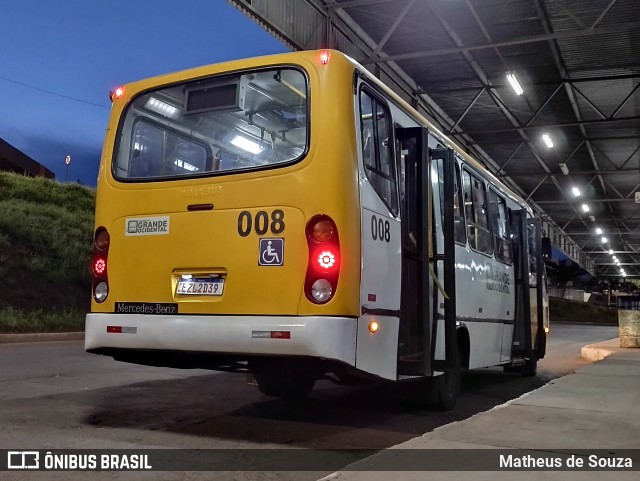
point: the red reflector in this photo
(280, 334)
(114, 329)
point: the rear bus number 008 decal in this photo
(380, 229)
(261, 221)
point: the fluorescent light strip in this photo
(546, 138)
(162, 108)
(246, 144)
(515, 85)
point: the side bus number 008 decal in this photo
(261, 222)
(380, 229)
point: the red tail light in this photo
(100, 281)
(323, 268)
(99, 266)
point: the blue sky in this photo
(84, 48)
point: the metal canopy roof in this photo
(578, 63)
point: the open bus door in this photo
(419, 321)
(529, 338)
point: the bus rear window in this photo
(216, 125)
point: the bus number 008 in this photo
(380, 229)
(246, 222)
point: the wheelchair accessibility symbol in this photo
(271, 252)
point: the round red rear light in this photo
(326, 259)
(322, 230)
(102, 239)
(99, 266)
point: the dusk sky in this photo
(82, 49)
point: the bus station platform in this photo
(597, 407)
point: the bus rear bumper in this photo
(332, 338)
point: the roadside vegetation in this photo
(564, 310)
(45, 251)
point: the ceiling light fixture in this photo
(598, 231)
(575, 190)
(546, 138)
(515, 85)
(585, 208)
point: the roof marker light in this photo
(325, 55)
(116, 94)
(515, 85)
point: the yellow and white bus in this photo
(291, 217)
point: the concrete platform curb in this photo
(41, 337)
(600, 350)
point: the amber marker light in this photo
(322, 230)
(373, 327)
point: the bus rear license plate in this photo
(200, 287)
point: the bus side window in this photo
(498, 217)
(476, 212)
(377, 149)
(458, 217)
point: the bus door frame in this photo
(415, 245)
(521, 345)
(448, 258)
(539, 345)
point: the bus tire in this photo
(444, 390)
(287, 383)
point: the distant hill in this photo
(46, 231)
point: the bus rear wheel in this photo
(283, 380)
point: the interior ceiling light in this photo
(546, 138)
(585, 208)
(162, 108)
(515, 85)
(611, 253)
(246, 144)
(575, 190)
(598, 231)
(604, 240)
